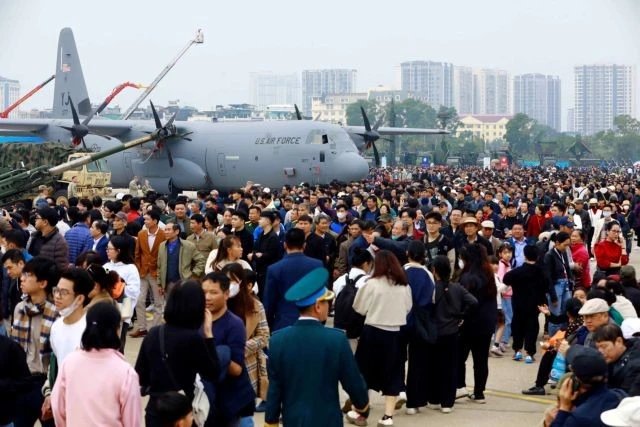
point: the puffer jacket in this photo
(52, 246)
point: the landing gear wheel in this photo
(61, 196)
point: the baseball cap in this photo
(593, 306)
(564, 221)
(121, 215)
(487, 224)
(586, 362)
(629, 327)
(593, 201)
(385, 218)
(470, 220)
(627, 414)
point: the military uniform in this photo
(306, 362)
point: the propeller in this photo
(162, 133)
(80, 130)
(298, 114)
(371, 135)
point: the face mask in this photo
(625, 207)
(234, 289)
(395, 237)
(571, 211)
(461, 264)
(341, 215)
(606, 214)
(68, 310)
(276, 203)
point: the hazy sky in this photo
(133, 40)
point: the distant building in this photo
(603, 92)
(319, 83)
(571, 120)
(433, 79)
(333, 108)
(384, 95)
(486, 127)
(482, 91)
(538, 96)
(274, 89)
(9, 93)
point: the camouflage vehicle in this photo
(24, 160)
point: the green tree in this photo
(354, 115)
(519, 134)
(626, 125)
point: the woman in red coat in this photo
(536, 222)
(611, 253)
(580, 257)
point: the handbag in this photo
(200, 402)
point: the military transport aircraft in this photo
(201, 155)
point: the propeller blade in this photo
(317, 117)
(84, 144)
(170, 122)
(74, 113)
(298, 114)
(367, 125)
(156, 118)
(70, 129)
(376, 155)
(169, 156)
(379, 122)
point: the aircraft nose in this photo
(351, 166)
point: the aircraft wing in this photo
(396, 131)
(41, 127)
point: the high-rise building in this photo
(434, 79)
(538, 96)
(482, 91)
(269, 88)
(603, 92)
(571, 119)
(9, 93)
(319, 83)
(464, 84)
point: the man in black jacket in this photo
(266, 251)
(622, 357)
(246, 238)
(529, 285)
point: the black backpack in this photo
(346, 317)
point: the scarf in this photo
(21, 330)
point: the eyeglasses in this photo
(615, 231)
(38, 217)
(61, 292)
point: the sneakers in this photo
(534, 391)
(462, 392)
(518, 356)
(262, 406)
(412, 411)
(434, 406)
(477, 398)
(529, 359)
(385, 422)
(496, 351)
(402, 399)
(138, 333)
(356, 419)
(445, 410)
(503, 347)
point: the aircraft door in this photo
(222, 168)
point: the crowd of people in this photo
(229, 294)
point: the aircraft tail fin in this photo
(69, 79)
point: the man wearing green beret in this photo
(307, 360)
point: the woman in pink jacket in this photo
(95, 385)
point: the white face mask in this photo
(461, 264)
(625, 207)
(606, 214)
(234, 289)
(68, 310)
(571, 211)
(341, 215)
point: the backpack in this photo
(346, 317)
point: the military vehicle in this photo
(92, 179)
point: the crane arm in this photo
(198, 39)
(13, 106)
